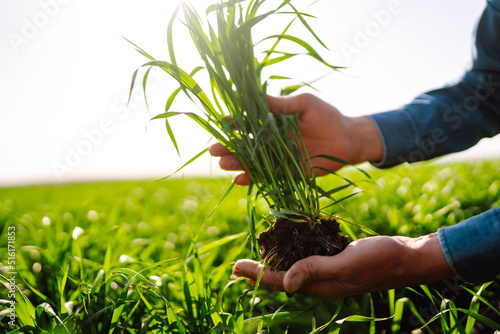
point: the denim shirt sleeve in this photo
(472, 247)
(452, 118)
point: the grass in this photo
(147, 259)
(233, 104)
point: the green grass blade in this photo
(308, 27)
(168, 105)
(474, 307)
(481, 298)
(221, 5)
(221, 242)
(61, 285)
(202, 122)
(170, 39)
(481, 318)
(398, 314)
(141, 51)
(187, 82)
(226, 193)
(107, 259)
(186, 164)
(277, 213)
(330, 192)
(310, 50)
(36, 292)
(334, 316)
(342, 161)
(132, 84)
(244, 29)
(171, 135)
(341, 200)
(144, 83)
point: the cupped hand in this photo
(325, 131)
(367, 265)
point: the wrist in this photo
(366, 138)
(427, 262)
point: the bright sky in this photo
(66, 70)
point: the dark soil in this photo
(287, 242)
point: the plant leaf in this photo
(186, 164)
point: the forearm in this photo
(452, 118)
(469, 250)
(443, 121)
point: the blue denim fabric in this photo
(472, 247)
(452, 119)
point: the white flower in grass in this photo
(93, 216)
(46, 221)
(37, 267)
(156, 280)
(125, 258)
(255, 301)
(169, 245)
(77, 232)
(69, 307)
(402, 191)
(48, 308)
(213, 230)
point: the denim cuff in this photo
(472, 247)
(399, 134)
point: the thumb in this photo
(287, 104)
(309, 270)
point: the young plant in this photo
(269, 145)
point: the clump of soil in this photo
(286, 242)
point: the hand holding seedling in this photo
(366, 265)
(282, 144)
(325, 131)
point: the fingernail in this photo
(236, 271)
(295, 283)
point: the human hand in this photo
(325, 131)
(366, 265)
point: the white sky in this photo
(65, 71)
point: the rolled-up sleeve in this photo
(452, 118)
(472, 247)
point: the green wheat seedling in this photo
(236, 112)
(81, 286)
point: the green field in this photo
(141, 256)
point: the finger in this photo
(252, 270)
(313, 269)
(289, 104)
(243, 179)
(329, 289)
(218, 150)
(230, 162)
